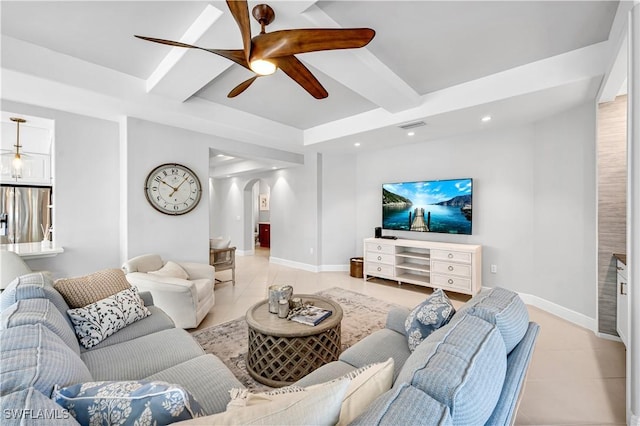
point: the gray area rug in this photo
(228, 341)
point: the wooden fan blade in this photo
(237, 56)
(240, 12)
(292, 42)
(301, 75)
(241, 87)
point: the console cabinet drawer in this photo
(449, 268)
(380, 257)
(380, 248)
(448, 281)
(379, 269)
(453, 256)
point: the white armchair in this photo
(183, 290)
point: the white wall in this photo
(294, 211)
(339, 211)
(533, 201)
(86, 192)
(180, 238)
(565, 253)
(500, 164)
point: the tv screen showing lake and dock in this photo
(428, 206)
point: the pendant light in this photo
(16, 164)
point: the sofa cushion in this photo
(507, 311)
(517, 364)
(132, 402)
(37, 285)
(29, 407)
(197, 376)
(462, 365)
(39, 311)
(427, 317)
(33, 356)
(138, 358)
(157, 321)
(88, 289)
(405, 405)
(97, 321)
(171, 269)
(319, 406)
(327, 372)
(24, 287)
(378, 347)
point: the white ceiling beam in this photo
(571, 67)
(185, 71)
(42, 77)
(238, 168)
(617, 61)
(360, 70)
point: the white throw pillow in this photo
(366, 384)
(320, 406)
(171, 269)
(97, 321)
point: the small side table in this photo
(282, 352)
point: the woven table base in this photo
(281, 352)
(280, 361)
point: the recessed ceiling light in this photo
(356, 144)
(220, 155)
(411, 133)
(273, 168)
(486, 118)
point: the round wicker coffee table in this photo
(282, 351)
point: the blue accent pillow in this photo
(128, 403)
(427, 317)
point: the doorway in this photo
(257, 206)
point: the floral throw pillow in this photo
(97, 321)
(128, 403)
(427, 317)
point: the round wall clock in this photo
(173, 189)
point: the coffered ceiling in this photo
(444, 62)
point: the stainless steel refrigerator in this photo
(24, 213)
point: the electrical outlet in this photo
(494, 269)
(310, 250)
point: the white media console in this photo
(454, 267)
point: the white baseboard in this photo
(251, 252)
(608, 337)
(292, 264)
(307, 267)
(560, 311)
(335, 268)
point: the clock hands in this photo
(176, 188)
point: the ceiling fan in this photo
(266, 52)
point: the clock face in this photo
(173, 189)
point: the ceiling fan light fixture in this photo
(263, 67)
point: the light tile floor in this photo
(575, 378)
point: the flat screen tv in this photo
(428, 206)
